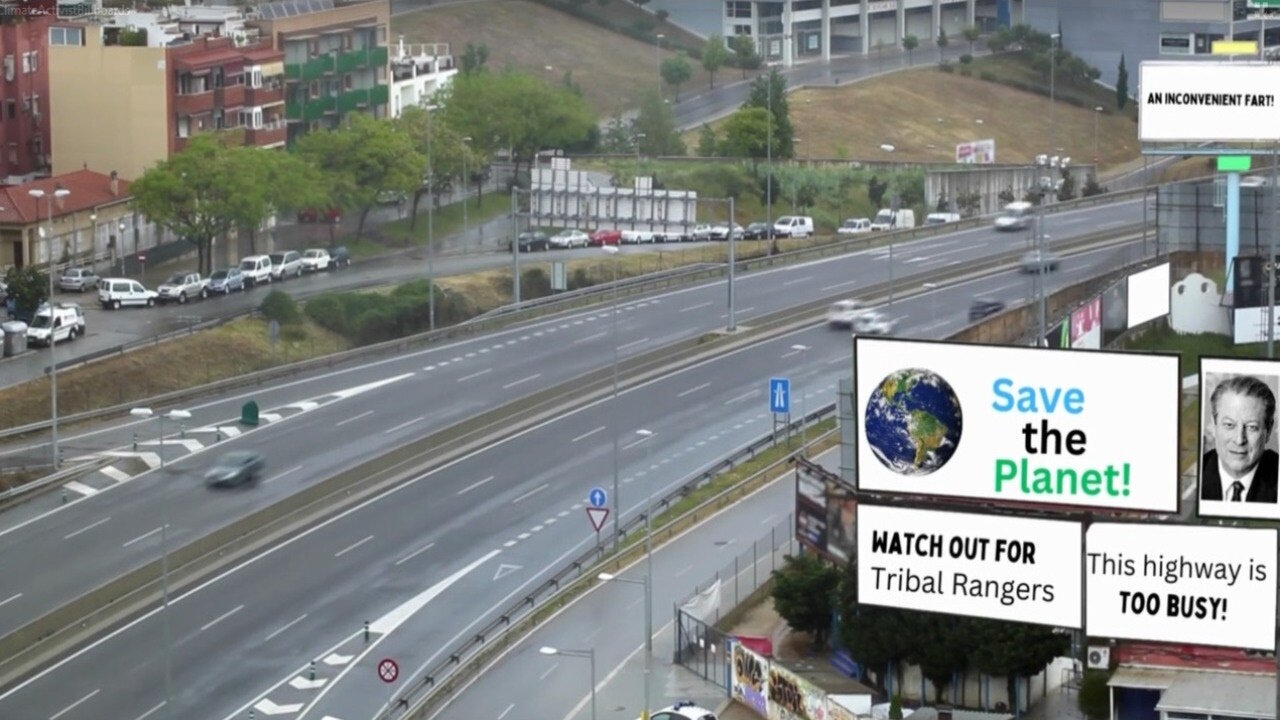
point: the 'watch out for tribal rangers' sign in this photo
(1208, 102)
(1025, 425)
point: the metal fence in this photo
(700, 645)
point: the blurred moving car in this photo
(842, 312)
(1016, 216)
(1039, 261)
(756, 231)
(235, 468)
(701, 232)
(854, 226)
(226, 281)
(984, 307)
(315, 260)
(873, 322)
(570, 239)
(602, 237)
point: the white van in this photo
(115, 293)
(1016, 216)
(887, 219)
(284, 264)
(61, 322)
(256, 269)
(941, 218)
(798, 226)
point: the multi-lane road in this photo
(510, 507)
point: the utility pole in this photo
(1271, 255)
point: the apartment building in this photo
(96, 222)
(336, 58)
(417, 73)
(129, 89)
(24, 98)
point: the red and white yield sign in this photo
(388, 670)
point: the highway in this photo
(508, 515)
(329, 421)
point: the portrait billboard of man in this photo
(1239, 463)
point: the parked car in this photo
(314, 260)
(310, 215)
(115, 293)
(339, 257)
(984, 307)
(61, 322)
(854, 226)
(720, 231)
(1037, 261)
(235, 468)
(887, 219)
(256, 269)
(570, 239)
(226, 281)
(286, 264)
(701, 232)
(941, 218)
(78, 279)
(756, 231)
(182, 286)
(635, 237)
(603, 237)
(842, 312)
(873, 322)
(687, 710)
(531, 241)
(1016, 216)
(799, 226)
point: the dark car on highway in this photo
(756, 231)
(235, 468)
(984, 307)
(531, 241)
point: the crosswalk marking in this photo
(189, 444)
(115, 473)
(336, 659)
(269, 417)
(80, 488)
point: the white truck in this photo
(182, 286)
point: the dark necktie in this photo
(1237, 488)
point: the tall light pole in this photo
(1097, 111)
(647, 584)
(768, 161)
(1053, 105)
(802, 349)
(466, 188)
(657, 61)
(59, 193)
(590, 655)
(635, 189)
(144, 412)
(613, 409)
(431, 223)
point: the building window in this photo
(348, 81)
(26, 105)
(1175, 43)
(254, 78)
(12, 106)
(741, 29)
(738, 8)
(66, 36)
(13, 152)
(37, 145)
(8, 68)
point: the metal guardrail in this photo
(574, 576)
(646, 280)
(50, 481)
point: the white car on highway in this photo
(854, 226)
(842, 313)
(569, 239)
(873, 322)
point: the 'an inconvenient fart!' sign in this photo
(1092, 429)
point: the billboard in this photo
(1208, 102)
(1249, 325)
(1086, 325)
(1004, 568)
(1238, 450)
(750, 682)
(977, 152)
(1148, 294)
(1182, 584)
(825, 508)
(1017, 424)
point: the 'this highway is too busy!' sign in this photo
(1182, 584)
(1024, 425)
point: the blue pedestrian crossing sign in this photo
(597, 497)
(779, 395)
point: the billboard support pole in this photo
(1233, 222)
(1271, 263)
(1083, 648)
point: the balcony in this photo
(271, 134)
(264, 96)
(312, 69)
(194, 103)
(353, 100)
(316, 108)
(378, 56)
(231, 96)
(379, 95)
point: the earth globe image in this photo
(913, 421)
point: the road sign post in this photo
(388, 671)
(780, 403)
(597, 510)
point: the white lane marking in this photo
(444, 363)
(691, 391)
(301, 683)
(587, 434)
(72, 706)
(837, 286)
(474, 485)
(524, 536)
(548, 671)
(590, 337)
(511, 342)
(458, 359)
(152, 711)
(82, 531)
(634, 342)
(270, 417)
(509, 543)
(354, 418)
(531, 493)
(510, 385)
(474, 375)
(634, 603)
(190, 445)
(536, 528)
(739, 311)
(10, 599)
(293, 469)
(699, 306)
(415, 553)
(334, 659)
(404, 425)
(524, 337)
(81, 488)
(221, 617)
(743, 396)
(266, 707)
(562, 513)
(349, 548)
(140, 538)
(471, 355)
(288, 625)
(484, 350)
(837, 360)
(429, 368)
(642, 440)
(797, 281)
(549, 521)
(304, 405)
(115, 473)
(503, 714)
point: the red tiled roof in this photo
(89, 189)
(264, 54)
(202, 60)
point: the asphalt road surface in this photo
(428, 562)
(321, 423)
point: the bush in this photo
(279, 306)
(966, 71)
(293, 333)
(945, 67)
(1094, 697)
(534, 283)
(966, 59)
(987, 75)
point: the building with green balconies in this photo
(336, 58)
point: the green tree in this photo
(804, 592)
(943, 41)
(878, 638)
(946, 651)
(271, 181)
(1122, 84)
(895, 707)
(1094, 698)
(447, 151)
(971, 34)
(746, 134)
(1014, 650)
(29, 287)
(1091, 187)
(676, 71)
(617, 136)
(198, 194)
(363, 157)
(658, 123)
(714, 56)
(770, 92)
(570, 85)
(876, 188)
(474, 58)
(744, 53)
(1067, 190)
(707, 141)
(910, 43)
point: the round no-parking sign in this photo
(388, 670)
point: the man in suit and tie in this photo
(1240, 468)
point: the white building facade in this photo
(417, 72)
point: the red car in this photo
(606, 237)
(310, 215)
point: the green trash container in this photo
(249, 414)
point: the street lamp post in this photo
(1097, 111)
(466, 189)
(1053, 106)
(590, 655)
(144, 412)
(431, 217)
(657, 60)
(613, 410)
(768, 161)
(59, 193)
(635, 186)
(647, 584)
(802, 349)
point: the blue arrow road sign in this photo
(779, 395)
(597, 497)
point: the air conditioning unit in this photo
(1099, 657)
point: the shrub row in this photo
(368, 318)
